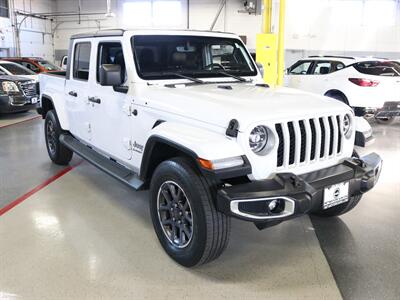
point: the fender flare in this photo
(164, 143)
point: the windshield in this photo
(16, 69)
(48, 66)
(163, 57)
(378, 68)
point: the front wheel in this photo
(58, 153)
(188, 226)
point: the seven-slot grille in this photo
(28, 88)
(304, 141)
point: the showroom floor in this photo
(77, 233)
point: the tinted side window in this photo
(81, 61)
(300, 68)
(110, 53)
(30, 66)
(378, 68)
(339, 66)
(322, 68)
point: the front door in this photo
(297, 74)
(110, 107)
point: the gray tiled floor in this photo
(87, 236)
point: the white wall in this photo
(312, 26)
(35, 37)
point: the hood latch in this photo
(233, 128)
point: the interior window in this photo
(30, 66)
(162, 57)
(322, 68)
(110, 53)
(81, 61)
(300, 68)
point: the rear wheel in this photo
(58, 153)
(188, 226)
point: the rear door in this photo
(76, 91)
(320, 77)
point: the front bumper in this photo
(15, 103)
(389, 110)
(300, 194)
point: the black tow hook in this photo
(359, 162)
(295, 181)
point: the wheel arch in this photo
(46, 105)
(332, 92)
(49, 103)
(159, 149)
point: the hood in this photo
(30, 77)
(16, 78)
(248, 103)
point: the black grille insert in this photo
(278, 128)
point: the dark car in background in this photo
(17, 94)
(35, 64)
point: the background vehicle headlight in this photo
(9, 86)
(258, 138)
(347, 124)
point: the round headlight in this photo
(258, 138)
(347, 125)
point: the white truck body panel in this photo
(195, 116)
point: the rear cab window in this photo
(81, 61)
(378, 68)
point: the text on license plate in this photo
(336, 194)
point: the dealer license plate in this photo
(336, 194)
(34, 100)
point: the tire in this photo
(207, 235)
(385, 121)
(58, 153)
(341, 208)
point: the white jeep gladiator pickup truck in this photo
(186, 115)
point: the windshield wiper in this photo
(183, 76)
(241, 79)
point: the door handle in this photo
(94, 100)
(73, 94)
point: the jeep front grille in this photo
(309, 140)
(28, 88)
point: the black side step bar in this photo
(112, 168)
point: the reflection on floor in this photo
(9, 119)
(362, 247)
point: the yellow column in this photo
(281, 39)
(267, 16)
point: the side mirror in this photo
(260, 68)
(110, 75)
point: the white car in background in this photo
(13, 69)
(369, 85)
